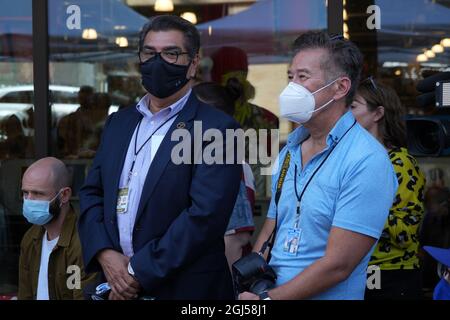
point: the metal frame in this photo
(335, 17)
(42, 114)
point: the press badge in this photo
(292, 241)
(122, 200)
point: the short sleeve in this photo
(366, 194)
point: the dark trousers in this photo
(397, 285)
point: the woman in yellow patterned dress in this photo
(378, 109)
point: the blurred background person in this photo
(14, 143)
(241, 226)
(230, 69)
(79, 132)
(442, 256)
(101, 102)
(379, 110)
(76, 126)
(435, 232)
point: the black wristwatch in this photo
(264, 296)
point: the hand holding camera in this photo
(252, 273)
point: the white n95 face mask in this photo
(297, 103)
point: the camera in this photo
(252, 273)
(430, 135)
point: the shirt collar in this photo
(340, 128)
(143, 106)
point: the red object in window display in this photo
(9, 296)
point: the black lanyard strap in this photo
(271, 240)
(299, 198)
(136, 150)
(284, 169)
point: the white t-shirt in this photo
(47, 248)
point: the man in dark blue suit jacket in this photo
(154, 227)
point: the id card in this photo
(122, 200)
(292, 241)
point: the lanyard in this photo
(271, 240)
(136, 150)
(299, 198)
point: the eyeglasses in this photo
(372, 82)
(170, 56)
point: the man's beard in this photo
(55, 208)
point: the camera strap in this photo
(270, 241)
(284, 169)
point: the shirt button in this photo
(152, 122)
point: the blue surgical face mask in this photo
(38, 211)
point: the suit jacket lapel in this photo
(123, 142)
(163, 154)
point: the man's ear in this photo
(379, 113)
(344, 84)
(66, 194)
(193, 67)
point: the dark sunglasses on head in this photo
(337, 37)
(371, 80)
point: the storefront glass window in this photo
(16, 131)
(93, 68)
(412, 42)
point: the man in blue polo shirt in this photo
(338, 184)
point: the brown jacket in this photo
(67, 252)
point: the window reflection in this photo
(94, 72)
(101, 57)
(17, 130)
(407, 32)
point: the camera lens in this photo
(428, 137)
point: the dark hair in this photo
(344, 57)
(86, 90)
(392, 126)
(215, 95)
(171, 22)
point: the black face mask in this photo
(162, 79)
